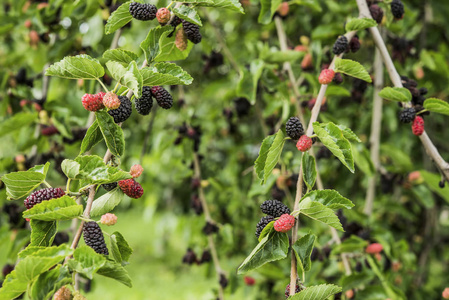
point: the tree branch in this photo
(431, 150)
(376, 123)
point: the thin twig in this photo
(376, 124)
(207, 216)
(299, 185)
(431, 150)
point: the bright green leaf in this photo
(329, 198)
(107, 202)
(268, 10)
(316, 292)
(64, 208)
(122, 56)
(16, 122)
(303, 249)
(49, 282)
(93, 136)
(351, 68)
(259, 164)
(19, 184)
(165, 74)
(119, 18)
(112, 133)
(168, 50)
(115, 271)
(43, 232)
(437, 106)
(319, 212)
(86, 261)
(188, 13)
(70, 168)
(76, 67)
(120, 248)
(309, 170)
(360, 24)
(398, 94)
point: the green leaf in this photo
(119, 18)
(41, 261)
(168, 50)
(277, 57)
(17, 121)
(249, 80)
(122, 56)
(351, 68)
(164, 73)
(86, 261)
(150, 45)
(19, 184)
(437, 106)
(432, 181)
(197, 2)
(43, 232)
(107, 202)
(272, 247)
(94, 170)
(360, 24)
(93, 136)
(267, 230)
(49, 282)
(350, 245)
(398, 94)
(233, 5)
(129, 77)
(64, 208)
(115, 271)
(332, 137)
(43, 169)
(309, 170)
(12, 287)
(70, 168)
(329, 198)
(320, 213)
(316, 292)
(76, 67)
(303, 249)
(274, 153)
(259, 164)
(187, 13)
(120, 248)
(267, 10)
(112, 133)
(349, 134)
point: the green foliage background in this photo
(409, 220)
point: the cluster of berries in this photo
(275, 209)
(120, 107)
(342, 45)
(130, 187)
(191, 258)
(295, 131)
(397, 10)
(410, 114)
(148, 12)
(194, 133)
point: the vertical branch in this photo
(207, 216)
(299, 185)
(376, 123)
(431, 150)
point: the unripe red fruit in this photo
(131, 188)
(306, 63)
(249, 280)
(181, 39)
(301, 48)
(111, 100)
(92, 102)
(374, 248)
(283, 9)
(349, 294)
(304, 143)
(28, 23)
(34, 37)
(163, 15)
(326, 76)
(284, 223)
(418, 126)
(446, 293)
(20, 158)
(136, 171)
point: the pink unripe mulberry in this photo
(304, 143)
(111, 100)
(374, 248)
(284, 223)
(108, 219)
(326, 76)
(136, 171)
(163, 15)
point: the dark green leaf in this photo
(309, 170)
(119, 18)
(268, 10)
(93, 136)
(49, 282)
(115, 271)
(303, 249)
(94, 170)
(107, 202)
(188, 13)
(150, 45)
(273, 246)
(352, 244)
(259, 164)
(120, 248)
(86, 261)
(43, 232)
(112, 133)
(356, 280)
(274, 153)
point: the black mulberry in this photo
(274, 208)
(192, 31)
(42, 195)
(407, 115)
(145, 103)
(354, 44)
(122, 113)
(93, 237)
(397, 9)
(340, 45)
(142, 12)
(264, 221)
(338, 78)
(109, 186)
(210, 228)
(377, 13)
(163, 97)
(294, 128)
